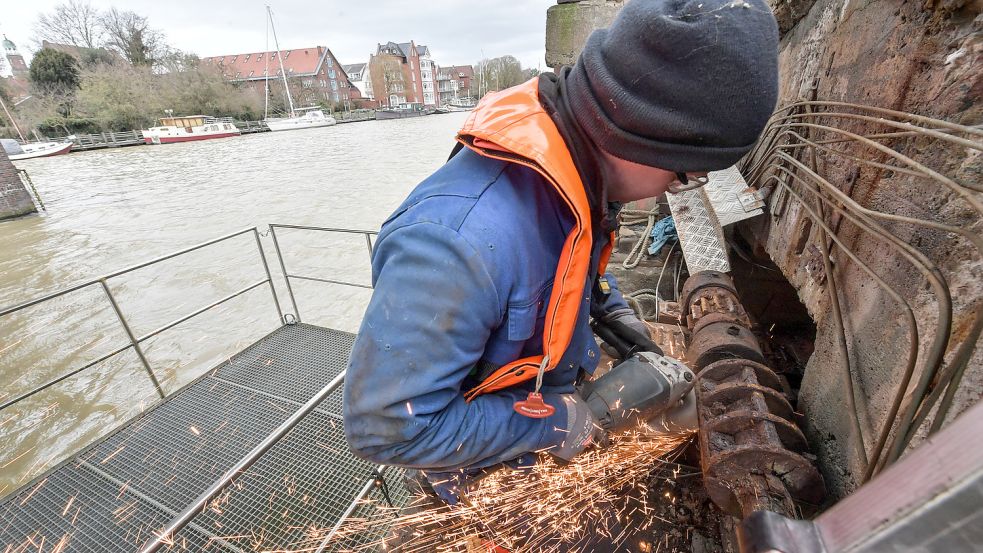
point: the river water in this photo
(110, 209)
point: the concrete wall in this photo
(569, 23)
(14, 198)
(914, 56)
(919, 56)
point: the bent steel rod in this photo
(912, 330)
(165, 536)
(930, 271)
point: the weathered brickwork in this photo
(14, 198)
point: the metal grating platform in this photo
(115, 493)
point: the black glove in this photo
(582, 428)
(623, 331)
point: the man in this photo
(488, 275)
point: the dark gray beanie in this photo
(683, 85)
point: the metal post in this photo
(133, 339)
(286, 277)
(269, 277)
(368, 242)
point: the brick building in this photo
(314, 75)
(454, 83)
(403, 73)
(12, 62)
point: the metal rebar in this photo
(912, 350)
(939, 344)
(133, 340)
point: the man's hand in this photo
(625, 332)
(583, 431)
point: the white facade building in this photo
(358, 74)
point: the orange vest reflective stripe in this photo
(512, 125)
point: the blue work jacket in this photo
(462, 273)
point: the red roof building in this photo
(314, 74)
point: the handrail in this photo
(135, 341)
(368, 234)
(166, 535)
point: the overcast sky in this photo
(456, 30)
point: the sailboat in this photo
(300, 118)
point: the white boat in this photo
(187, 129)
(461, 104)
(300, 118)
(17, 151)
(311, 118)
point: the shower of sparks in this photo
(549, 507)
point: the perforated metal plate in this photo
(114, 494)
(731, 198)
(700, 233)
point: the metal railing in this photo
(164, 536)
(368, 234)
(134, 340)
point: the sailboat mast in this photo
(266, 73)
(12, 122)
(283, 72)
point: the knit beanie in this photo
(683, 85)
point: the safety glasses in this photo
(686, 182)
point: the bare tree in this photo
(131, 35)
(75, 22)
(500, 73)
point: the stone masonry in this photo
(569, 23)
(918, 56)
(14, 198)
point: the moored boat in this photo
(188, 128)
(461, 104)
(17, 151)
(404, 111)
(311, 118)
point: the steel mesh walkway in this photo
(117, 492)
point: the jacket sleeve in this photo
(433, 309)
(603, 305)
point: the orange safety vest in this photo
(512, 126)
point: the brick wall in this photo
(14, 198)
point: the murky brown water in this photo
(114, 208)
